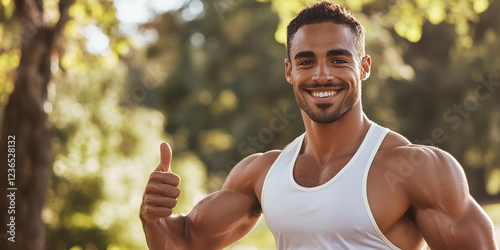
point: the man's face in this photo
(326, 71)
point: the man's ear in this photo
(366, 63)
(288, 71)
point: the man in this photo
(346, 183)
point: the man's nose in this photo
(322, 75)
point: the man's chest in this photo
(382, 185)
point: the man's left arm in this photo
(446, 215)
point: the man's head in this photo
(326, 63)
(327, 12)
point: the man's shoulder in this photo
(249, 174)
(259, 159)
(267, 157)
(256, 164)
(396, 148)
(419, 168)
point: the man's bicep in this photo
(446, 214)
(471, 230)
(227, 215)
(219, 220)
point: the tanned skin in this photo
(415, 192)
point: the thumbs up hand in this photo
(162, 189)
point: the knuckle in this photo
(177, 192)
(153, 175)
(177, 179)
(148, 201)
(149, 209)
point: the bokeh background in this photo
(90, 88)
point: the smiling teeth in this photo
(324, 94)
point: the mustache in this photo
(325, 85)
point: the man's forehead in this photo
(324, 37)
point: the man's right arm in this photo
(216, 222)
(445, 212)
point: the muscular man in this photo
(346, 183)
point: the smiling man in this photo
(346, 183)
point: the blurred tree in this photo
(26, 120)
(85, 115)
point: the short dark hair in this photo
(327, 12)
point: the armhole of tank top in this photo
(262, 194)
(365, 195)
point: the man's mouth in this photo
(324, 94)
(326, 91)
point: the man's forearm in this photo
(165, 233)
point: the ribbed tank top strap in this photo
(286, 158)
(374, 138)
(374, 143)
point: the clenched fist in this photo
(162, 189)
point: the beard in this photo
(321, 112)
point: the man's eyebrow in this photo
(339, 52)
(304, 54)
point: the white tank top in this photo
(334, 215)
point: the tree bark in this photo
(25, 133)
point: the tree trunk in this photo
(25, 147)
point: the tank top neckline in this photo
(336, 176)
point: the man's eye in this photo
(306, 62)
(339, 61)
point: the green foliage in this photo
(408, 16)
(10, 52)
(104, 153)
(225, 77)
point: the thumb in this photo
(165, 157)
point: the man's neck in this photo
(327, 141)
